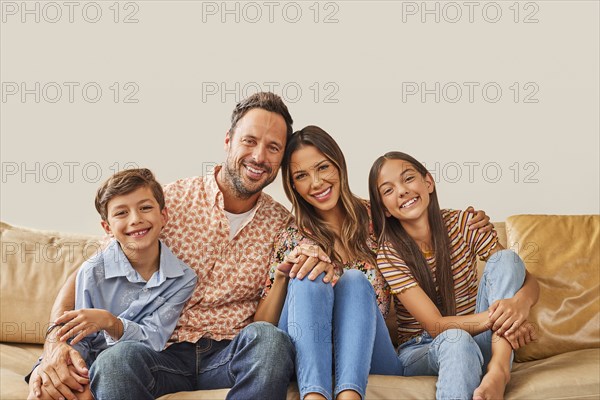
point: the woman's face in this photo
(315, 178)
(404, 191)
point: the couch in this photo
(563, 252)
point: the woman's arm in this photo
(269, 307)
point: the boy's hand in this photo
(479, 221)
(507, 315)
(81, 323)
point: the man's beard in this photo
(234, 179)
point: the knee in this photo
(271, 345)
(117, 360)
(506, 262)
(459, 343)
(315, 289)
(352, 280)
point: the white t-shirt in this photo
(236, 221)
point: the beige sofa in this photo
(563, 252)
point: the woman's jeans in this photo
(455, 356)
(314, 313)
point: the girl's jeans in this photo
(455, 356)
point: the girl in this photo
(428, 257)
(329, 217)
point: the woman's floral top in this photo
(291, 237)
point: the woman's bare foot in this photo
(493, 384)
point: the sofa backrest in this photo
(563, 252)
(34, 266)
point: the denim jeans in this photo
(257, 363)
(458, 359)
(314, 312)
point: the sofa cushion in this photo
(34, 266)
(563, 252)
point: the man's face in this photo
(254, 151)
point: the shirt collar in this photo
(116, 264)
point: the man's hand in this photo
(81, 323)
(525, 334)
(507, 315)
(305, 259)
(61, 372)
(479, 221)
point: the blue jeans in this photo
(257, 363)
(314, 312)
(454, 355)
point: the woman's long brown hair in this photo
(355, 227)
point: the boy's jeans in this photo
(359, 334)
(256, 364)
(455, 356)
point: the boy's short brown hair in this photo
(125, 182)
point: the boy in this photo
(135, 289)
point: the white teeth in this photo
(408, 203)
(140, 233)
(255, 171)
(321, 195)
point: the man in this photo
(223, 226)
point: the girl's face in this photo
(404, 191)
(315, 178)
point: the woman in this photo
(448, 326)
(353, 311)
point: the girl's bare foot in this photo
(493, 384)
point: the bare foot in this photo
(493, 384)
(348, 395)
(314, 396)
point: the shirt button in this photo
(131, 314)
(418, 339)
(145, 289)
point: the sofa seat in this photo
(572, 375)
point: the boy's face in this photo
(135, 220)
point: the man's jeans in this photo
(455, 356)
(257, 364)
(314, 312)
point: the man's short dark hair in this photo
(267, 101)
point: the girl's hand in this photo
(81, 323)
(479, 221)
(305, 259)
(507, 315)
(525, 334)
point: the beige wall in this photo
(377, 75)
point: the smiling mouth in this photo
(255, 172)
(138, 233)
(409, 202)
(323, 194)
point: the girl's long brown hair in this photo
(355, 227)
(389, 229)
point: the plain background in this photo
(499, 99)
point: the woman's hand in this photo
(307, 259)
